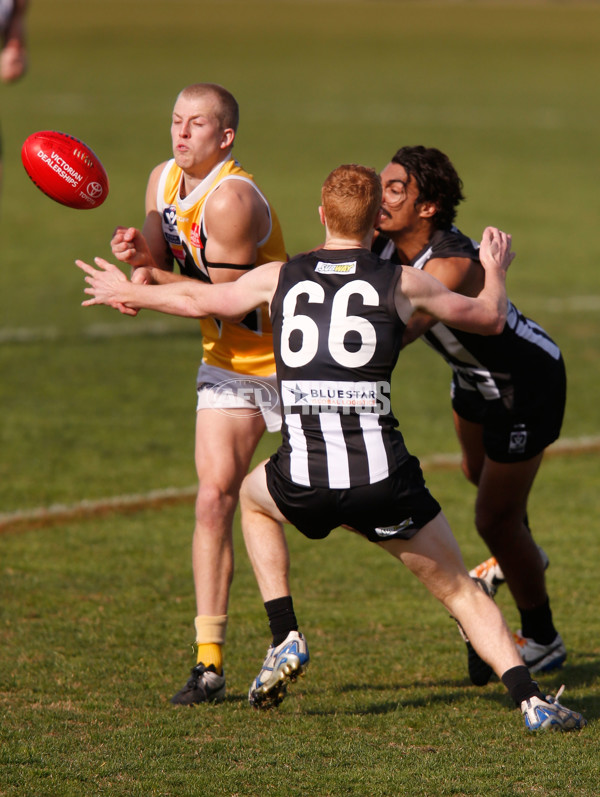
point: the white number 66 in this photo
(340, 324)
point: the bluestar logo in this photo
(323, 395)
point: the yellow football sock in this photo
(211, 654)
(210, 638)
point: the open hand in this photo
(104, 284)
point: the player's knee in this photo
(213, 501)
(494, 524)
(455, 593)
(487, 525)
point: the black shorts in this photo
(396, 507)
(523, 431)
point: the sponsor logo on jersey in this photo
(336, 268)
(178, 250)
(389, 531)
(359, 396)
(170, 216)
(195, 239)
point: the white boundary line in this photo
(566, 304)
(60, 513)
(91, 332)
(57, 513)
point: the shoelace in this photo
(559, 693)
(196, 675)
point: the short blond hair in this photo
(227, 109)
(351, 199)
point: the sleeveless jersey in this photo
(491, 366)
(246, 347)
(336, 337)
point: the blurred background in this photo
(96, 405)
(95, 614)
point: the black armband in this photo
(238, 266)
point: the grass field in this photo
(96, 613)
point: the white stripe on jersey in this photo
(338, 466)
(421, 261)
(388, 251)
(528, 330)
(485, 381)
(299, 450)
(376, 453)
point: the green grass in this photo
(94, 643)
(96, 615)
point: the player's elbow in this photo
(184, 306)
(200, 309)
(236, 319)
(495, 326)
(194, 310)
(229, 317)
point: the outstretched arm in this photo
(483, 315)
(190, 298)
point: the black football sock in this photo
(537, 624)
(520, 684)
(282, 618)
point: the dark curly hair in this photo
(436, 179)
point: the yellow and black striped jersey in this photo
(246, 347)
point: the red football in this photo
(65, 169)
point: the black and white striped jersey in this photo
(336, 340)
(492, 365)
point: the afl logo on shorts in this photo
(255, 394)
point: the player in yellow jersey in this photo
(204, 212)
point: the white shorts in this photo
(219, 389)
